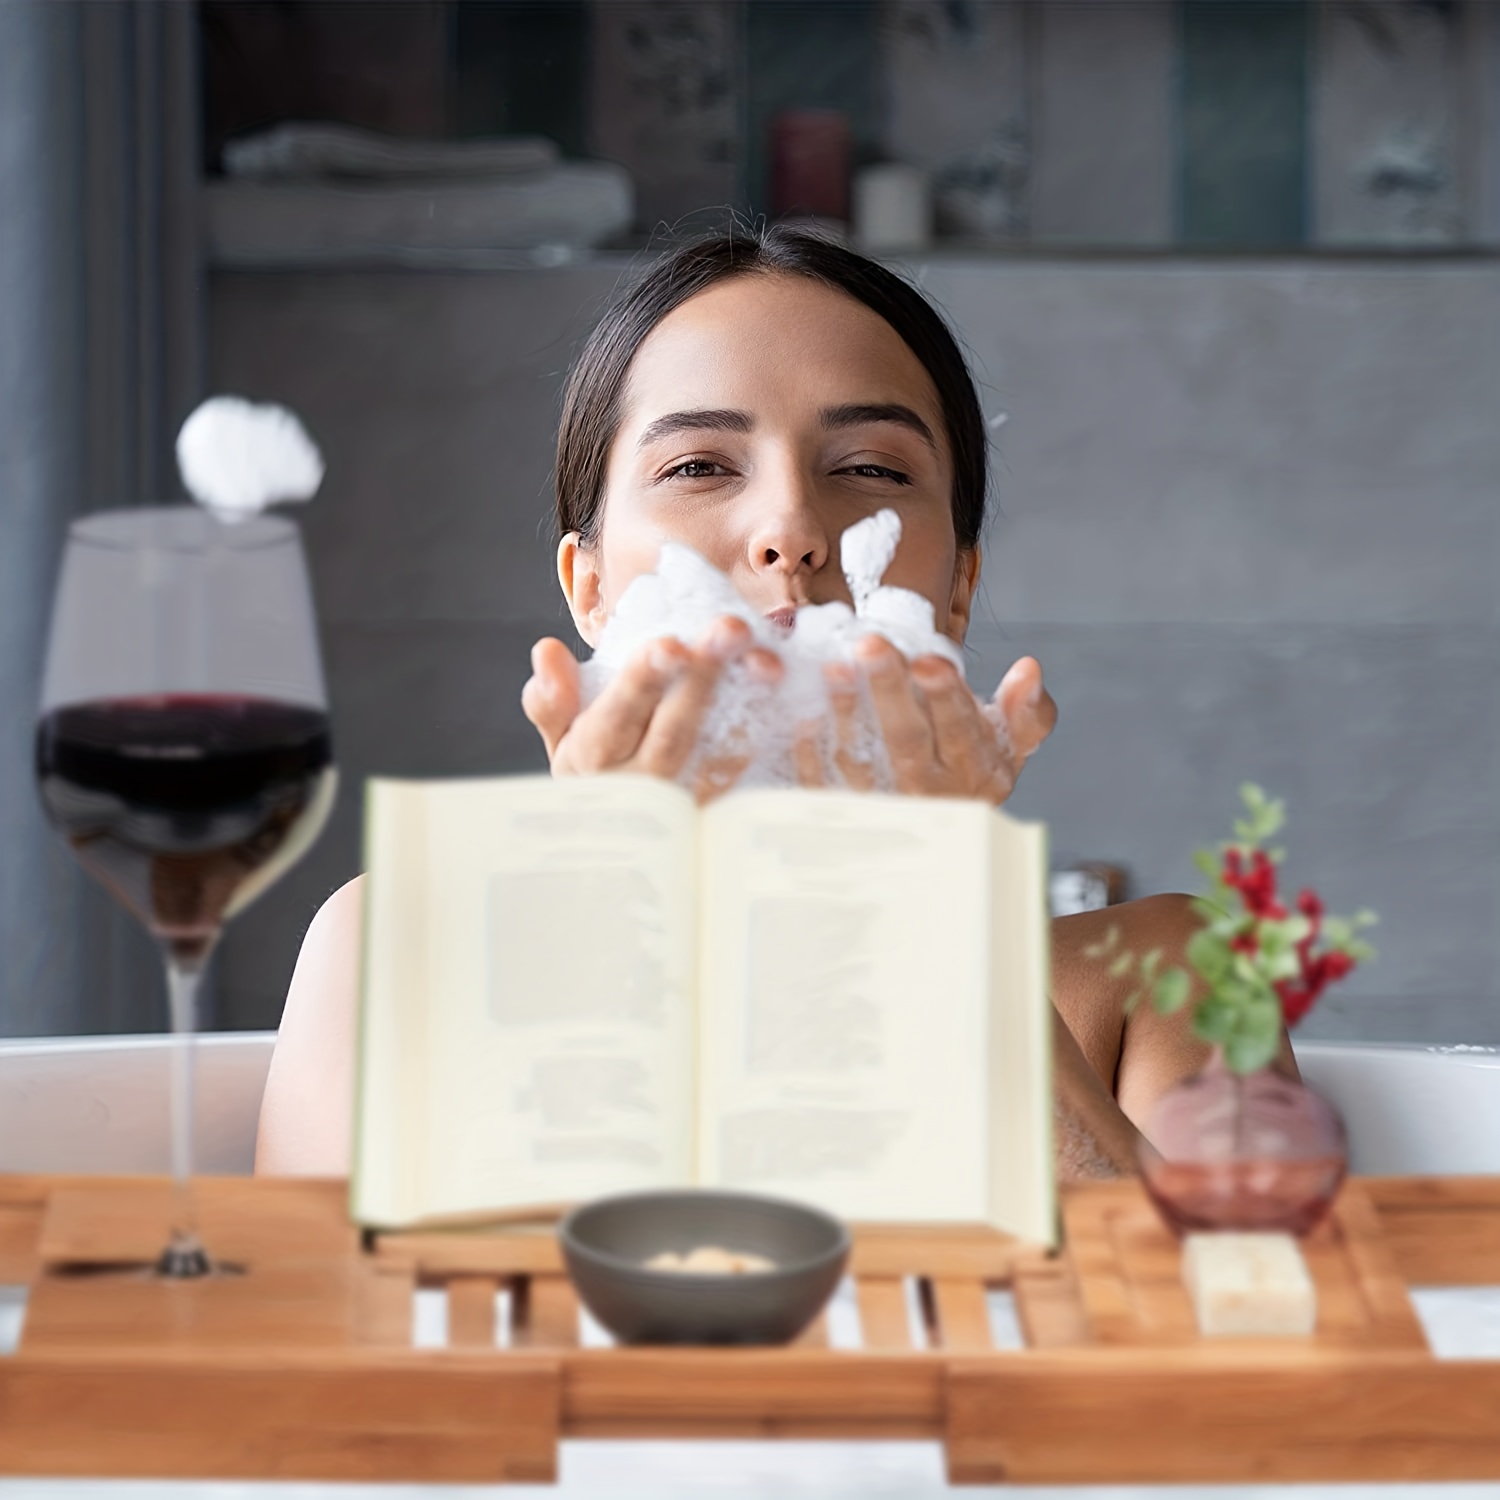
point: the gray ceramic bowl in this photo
(606, 1244)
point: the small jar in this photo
(1243, 1151)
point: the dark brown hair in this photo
(591, 397)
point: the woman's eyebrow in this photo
(834, 418)
(711, 420)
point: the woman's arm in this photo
(1113, 1068)
(1128, 1063)
(308, 1109)
(1092, 1138)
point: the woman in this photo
(753, 395)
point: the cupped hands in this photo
(940, 740)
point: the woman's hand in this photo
(940, 741)
(649, 716)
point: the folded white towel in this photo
(300, 152)
(286, 225)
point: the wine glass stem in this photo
(182, 998)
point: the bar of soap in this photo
(1249, 1284)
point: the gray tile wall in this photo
(1105, 156)
(1242, 137)
(1480, 140)
(1101, 122)
(1387, 119)
(956, 106)
(1247, 522)
(667, 102)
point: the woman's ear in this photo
(965, 586)
(578, 573)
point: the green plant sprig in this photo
(1261, 966)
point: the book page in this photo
(1023, 1191)
(390, 1080)
(557, 1038)
(845, 993)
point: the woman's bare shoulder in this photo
(1166, 921)
(1145, 1054)
(306, 1114)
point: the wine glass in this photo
(182, 747)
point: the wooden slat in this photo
(471, 1312)
(1103, 1291)
(1048, 1304)
(316, 1304)
(1434, 1194)
(443, 1418)
(507, 1254)
(1150, 1264)
(33, 1189)
(547, 1314)
(1393, 1319)
(26, 1190)
(878, 1250)
(934, 1250)
(20, 1233)
(963, 1317)
(384, 1307)
(815, 1335)
(1196, 1416)
(242, 1219)
(1440, 1231)
(1342, 1313)
(1448, 1249)
(883, 1319)
(290, 1307)
(751, 1392)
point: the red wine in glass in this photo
(185, 805)
(182, 745)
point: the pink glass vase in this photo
(1228, 1150)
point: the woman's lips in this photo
(783, 618)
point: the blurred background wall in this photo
(1227, 273)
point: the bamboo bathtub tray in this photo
(302, 1365)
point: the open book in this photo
(591, 985)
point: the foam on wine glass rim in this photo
(749, 719)
(237, 457)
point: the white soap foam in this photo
(866, 550)
(751, 720)
(236, 458)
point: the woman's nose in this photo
(789, 536)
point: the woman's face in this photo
(759, 420)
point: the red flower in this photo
(1298, 996)
(1296, 1000)
(1257, 886)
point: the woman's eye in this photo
(877, 471)
(694, 468)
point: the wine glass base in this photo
(184, 1258)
